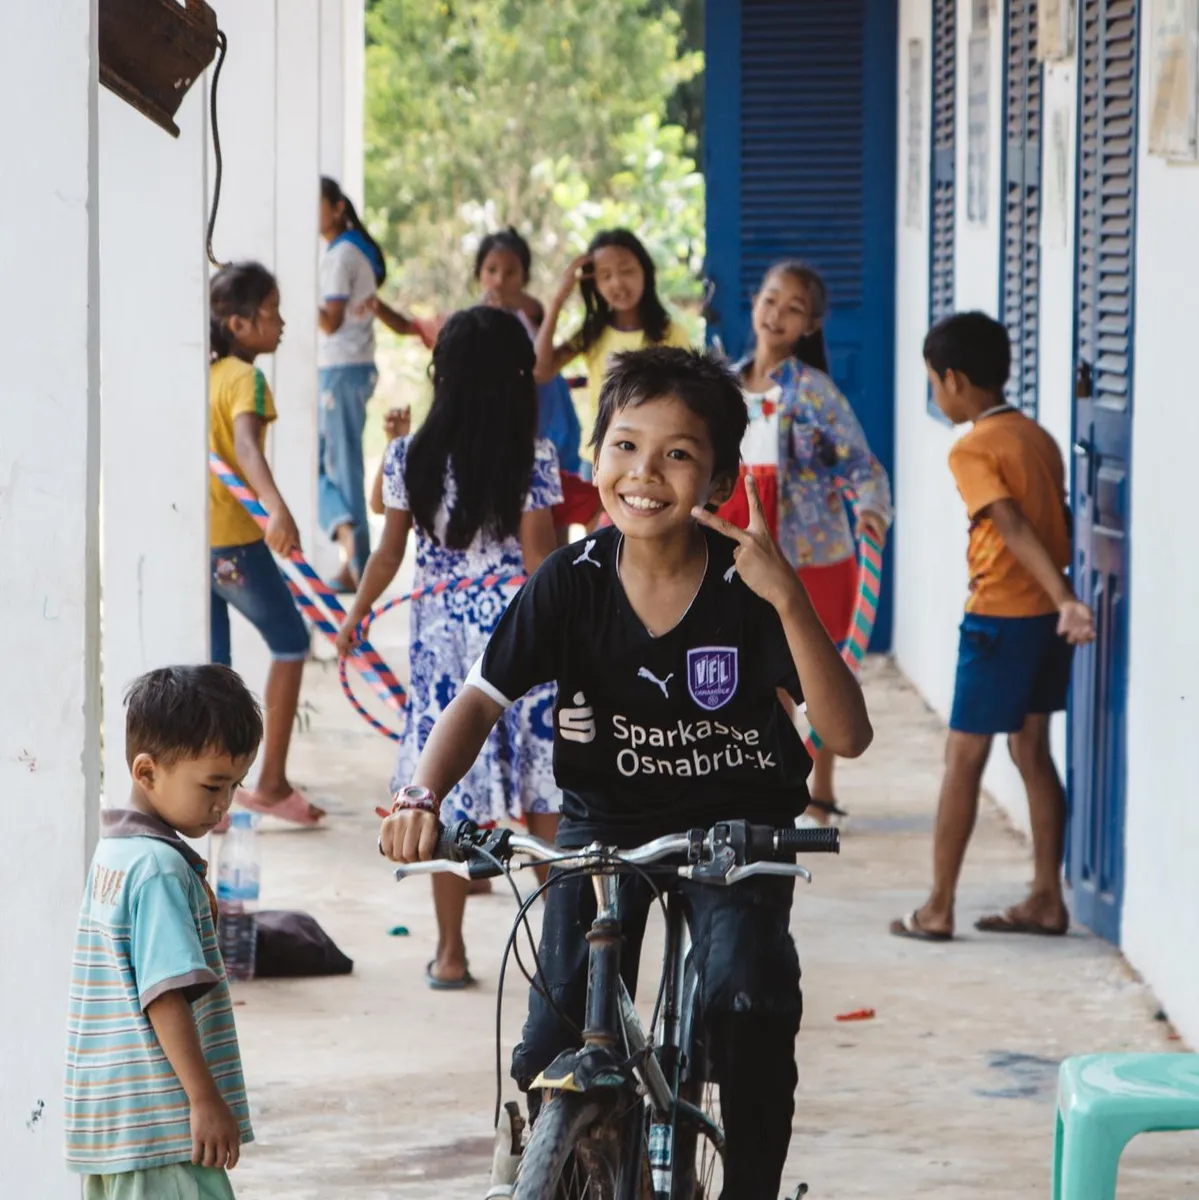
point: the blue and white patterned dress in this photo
(514, 773)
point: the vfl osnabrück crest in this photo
(712, 675)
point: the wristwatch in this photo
(415, 796)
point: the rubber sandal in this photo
(1004, 922)
(835, 813)
(295, 808)
(908, 926)
(448, 985)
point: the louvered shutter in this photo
(1020, 284)
(1107, 162)
(802, 140)
(944, 146)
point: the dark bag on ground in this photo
(291, 944)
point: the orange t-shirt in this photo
(1008, 456)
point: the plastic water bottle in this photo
(237, 898)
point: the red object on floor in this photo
(861, 1014)
(580, 501)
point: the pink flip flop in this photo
(295, 807)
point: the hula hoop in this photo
(481, 582)
(870, 583)
(365, 659)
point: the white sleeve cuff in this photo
(475, 679)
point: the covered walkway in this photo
(371, 1087)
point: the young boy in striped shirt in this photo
(155, 1101)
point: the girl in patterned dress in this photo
(802, 439)
(477, 486)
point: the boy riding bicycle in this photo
(669, 643)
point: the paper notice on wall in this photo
(1174, 79)
(1054, 211)
(978, 128)
(916, 161)
(1055, 29)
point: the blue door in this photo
(799, 158)
(1106, 216)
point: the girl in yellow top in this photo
(617, 279)
(244, 323)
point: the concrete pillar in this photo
(154, 381)
(247, 119)
(343, 84)
(297, 244)
(49, 563)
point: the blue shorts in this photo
(1008, 669)
(248, 578)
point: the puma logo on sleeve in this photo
(585, 557)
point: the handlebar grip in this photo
(824, 840)
(447, 845)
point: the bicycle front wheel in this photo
(580, 1149)
(699, 1143)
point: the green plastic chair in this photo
(1103, 1102)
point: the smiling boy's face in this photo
(655, 466)
(193, 794)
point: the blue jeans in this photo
(249, 578)
(341, 482)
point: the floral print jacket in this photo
(820, 443)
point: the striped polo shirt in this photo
(146, 928)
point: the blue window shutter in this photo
(1021, 279)
(802, 141)
(943, 194)
(1107, 162)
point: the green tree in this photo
(483, 113)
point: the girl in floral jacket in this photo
(803, 440)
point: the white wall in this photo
(49, 563)
(930, 541)
(1161, 884)
(154, 330)
(930, 548)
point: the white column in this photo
(354, 98)
(297, 174)
(49, 563)
(154, 384)
(245, 229)
(343, 84)
(332, 89)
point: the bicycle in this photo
(623, 1117)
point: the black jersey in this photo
(653, 735)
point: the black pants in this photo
(749, 996)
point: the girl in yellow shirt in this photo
(617, 280)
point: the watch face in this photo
(415, 793)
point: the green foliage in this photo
(545, 114)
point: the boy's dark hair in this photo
(483, 425)
(655, 320)
(238, 290)
(974, 345)
(331, 192)
(505, 239)
(177, 713)
(702, 381)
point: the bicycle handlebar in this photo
(724, 855)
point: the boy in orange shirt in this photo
(1022, 619)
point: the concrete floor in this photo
(371, 1086)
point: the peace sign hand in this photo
(758, 559)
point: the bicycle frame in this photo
(614, 1035)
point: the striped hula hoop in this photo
(366, 660)
(481, 582)
(870, 583)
